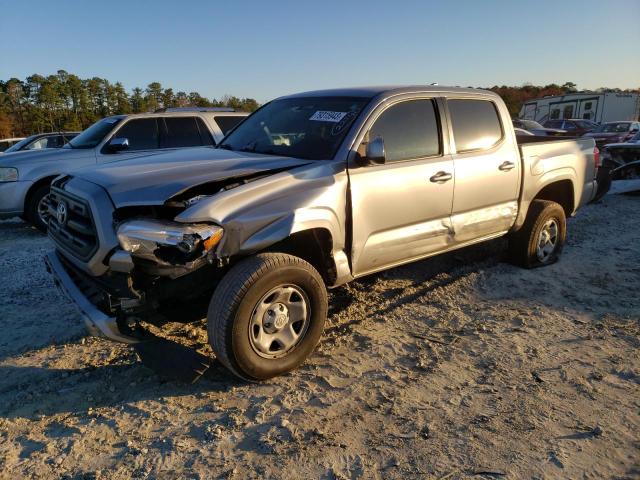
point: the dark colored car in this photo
(623, 159)
(573, 126)
(614, 132)
(537, 129)
(42, 140)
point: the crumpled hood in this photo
(155, 179)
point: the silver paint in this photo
(395, 212)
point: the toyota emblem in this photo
(61, 213)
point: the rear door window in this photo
(181, 132)
(142, 134)
(227, 123)
(409, 130)
(476, 124)
(56, 141)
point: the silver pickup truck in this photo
(25, 175)
(308, 193)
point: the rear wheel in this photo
(540, 240)
(266, 315)
(37, 210)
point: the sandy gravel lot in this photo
(457, 367)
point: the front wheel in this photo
(267, 315)
(37, 208)
(540, 240)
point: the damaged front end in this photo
(134, 249)
(147, 261)
(164, 262)
(166, 248)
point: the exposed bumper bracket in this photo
(97, 322)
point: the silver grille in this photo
(71, 224)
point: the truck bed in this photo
(560, 158)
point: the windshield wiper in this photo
(225, 146)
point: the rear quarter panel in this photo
(545, 163)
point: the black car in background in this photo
(42, 140)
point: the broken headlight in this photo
(171, 242)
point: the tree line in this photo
(66, 102)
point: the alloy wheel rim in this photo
(43, 209)
(547, 240)
(279, 321)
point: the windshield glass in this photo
(310, 128)
(613, 127)
(93, 135)
(20, 144)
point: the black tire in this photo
(523, 244)
(31, 210)
(236, 299)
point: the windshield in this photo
(93, 135)
(20, 144)
(613, 127)
(311, 128)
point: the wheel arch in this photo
(35, 186)
(560, 190)
(314, 245)
(313, 234)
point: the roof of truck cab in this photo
(370, 92)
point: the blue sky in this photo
(264, 49)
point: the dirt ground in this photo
(461, 366)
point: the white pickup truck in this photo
(308, 193)
(25, 175)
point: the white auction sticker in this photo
(325, 116)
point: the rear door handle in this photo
(441, 177)
(506, 166)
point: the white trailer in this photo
(597, 107)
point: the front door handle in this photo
(506, 166)
(441, 177)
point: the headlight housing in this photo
(170, 242)
(8, 174)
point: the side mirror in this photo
(375, 153)
(118, 144)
